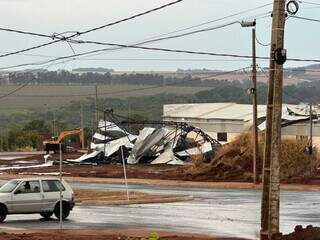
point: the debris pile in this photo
(233, 161)
(174, 144)
(308, 233)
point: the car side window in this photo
(52, 186)
(28, 187)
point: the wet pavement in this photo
(213, 211)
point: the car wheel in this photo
(46, 215)
(3, 214)
(65, 210)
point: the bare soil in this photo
(300, 233)
(233, 169)
(123, 234)
(90, 197)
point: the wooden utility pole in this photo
(255, 114)
(271, 173)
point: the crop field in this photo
(53, 96)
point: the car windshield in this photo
(9, 186)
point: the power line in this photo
(189, 51)
(151, 49)
(284, 90)
(59, 38)
(54, 36)
(63, 38)
(137, 59)
(311, 3)
(208, 22)
(26, 32)
(154, 39)
(24, 84)
(307, 19)
(128, 46)
(165, 59)
(262, 44)
(119, 47)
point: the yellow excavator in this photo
(53, 145)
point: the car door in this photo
(27, 198)
(51, 193)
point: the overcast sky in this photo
(48, 16)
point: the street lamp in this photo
(248, 23)
(253, 92)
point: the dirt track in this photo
(103, 198)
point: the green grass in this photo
(41, 98)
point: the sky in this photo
(58, 16)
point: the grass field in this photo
(53, 96)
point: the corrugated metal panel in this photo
(231, 111)
(226, 111)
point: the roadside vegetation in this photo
(233, 162)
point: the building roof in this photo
(227, 111)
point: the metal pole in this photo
(125, 173)
(82, 126)
(96, 106)
(255, 114)
(53, 124)
(310, 148)
(60, 195)
(105, 132)
(311, 130)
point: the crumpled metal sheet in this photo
(166, 156)
(84, 157)
(111, 129)
(113, 146)
(145, 146)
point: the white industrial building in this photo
(225, 121)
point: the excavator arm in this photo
(54, 144)
(65, 134)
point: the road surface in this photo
(213, 212)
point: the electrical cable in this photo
(142, 42)
(311, 3)
(59, 39)
(262, 44)
(144, 48)
(25, 84)
(289, 95)
(307, 19)
(107, 25)
(151, 49)
(208, 22)
(191, 52)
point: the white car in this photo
(36, 195)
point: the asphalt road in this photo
(213, 211)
